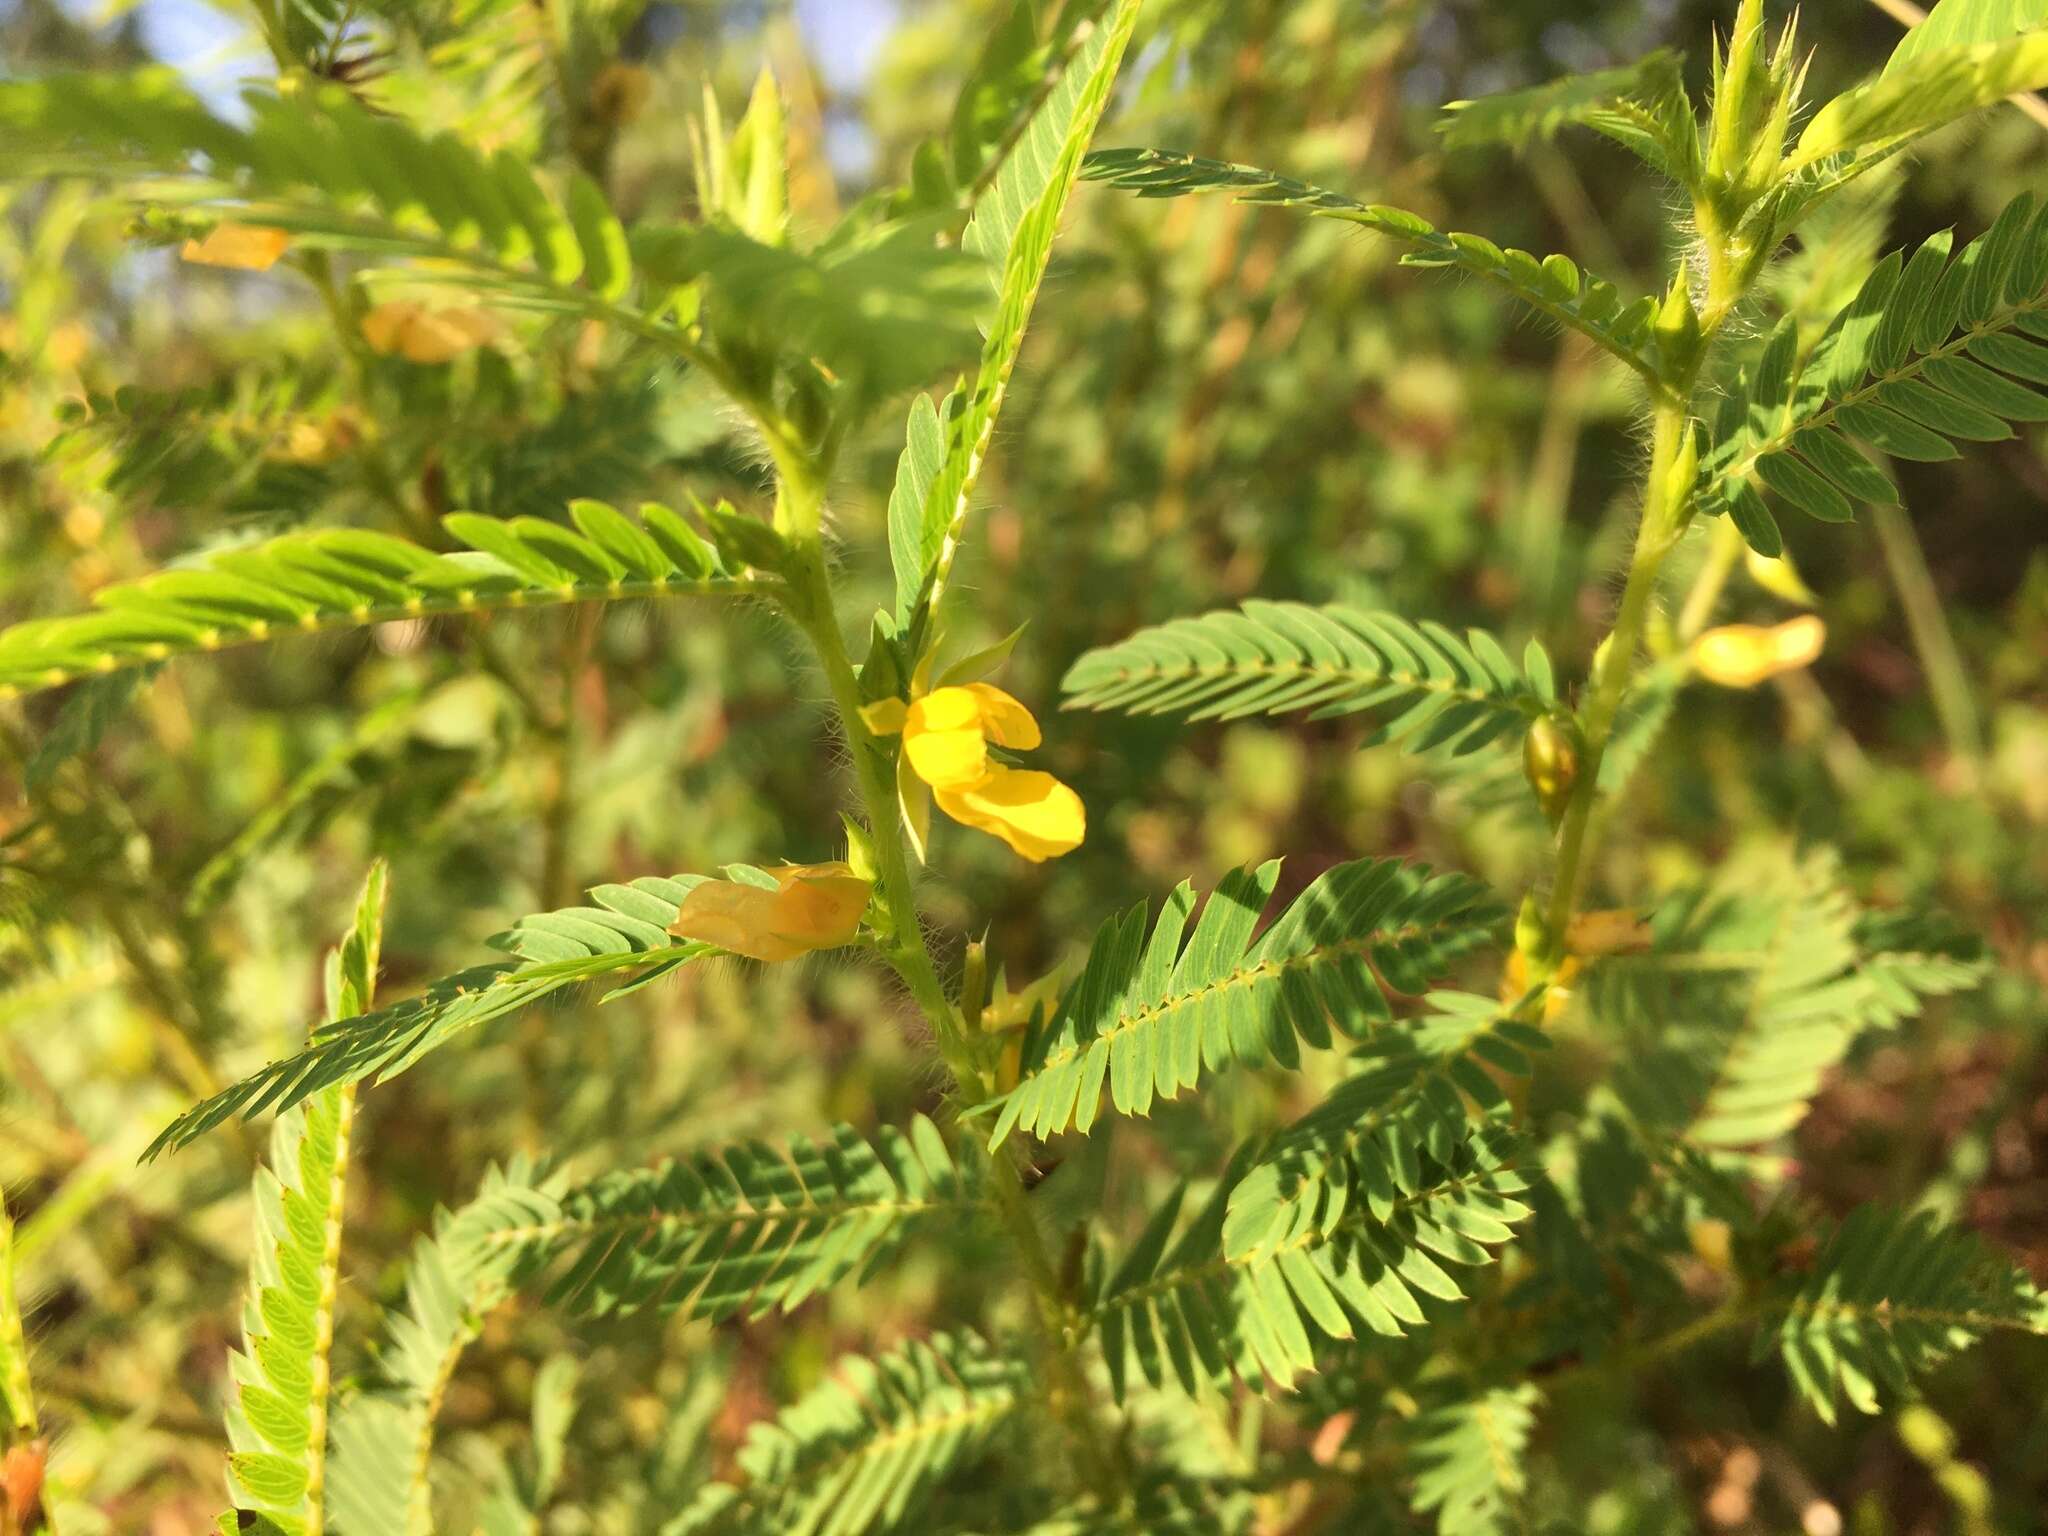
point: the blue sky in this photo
(216, 48)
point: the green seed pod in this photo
(1550, 762)
(974, 985)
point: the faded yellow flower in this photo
(419, 334)
(1743, 655)
(249, 247)
(68, 343)
(1596, 934)
(813, 906)
(946, 737)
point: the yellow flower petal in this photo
(814, 906)
(251, 247)
(422, 335)
(1798, 641)
(1743, 655)
(739, 918)
(914, 799)
(1598, 934)
(1778, 576)
(884, 717)
(944, 740)
(1037, 815)
(1004, 721)
(384, 326)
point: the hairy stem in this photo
(1663, 520)
(1712, 580)
(1059, 1324)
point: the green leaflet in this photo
(1925, 355)
(1554, 285)
(1960, 23)
(884, 309)
(1466, 1456)
(384, 1438)
(1419, 1090)
(346, 578)
(865, 1448)
(1194, 1315)
(914, 538)
(627, 930)
(1147, 1017)
(1752, 990)
(1014, 224)
(1930, 87)
(518, 1496)
(334, 771)
(1040, 163)
(748, 1229)
(1891, 1295)
(1594, 99)
(83, 720)
(1196, 1509)
(334, 173)
(1276, 658)
(1008, 74)
(277, 1402)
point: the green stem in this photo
(1947, 679)
(323, 1318)
(1712, 580)
(1060, 1326)
(1737, 1311)
(1663, 520)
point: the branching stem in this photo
(1060, 1327)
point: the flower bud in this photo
(1550, 762)
(1678, 327)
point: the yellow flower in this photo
(1743, 655)
(813, 906)
(422, 335)
(1595, 935)
(250, 247)
(946, 737)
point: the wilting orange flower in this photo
(250, 247)
(422, 335)
(946, 737)
(813, 906)
(21, 1483)
(1743, 655)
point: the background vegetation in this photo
(1216, 401)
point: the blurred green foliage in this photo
(1217, 401)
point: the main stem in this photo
(1060, 1325)
(1665, 508)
